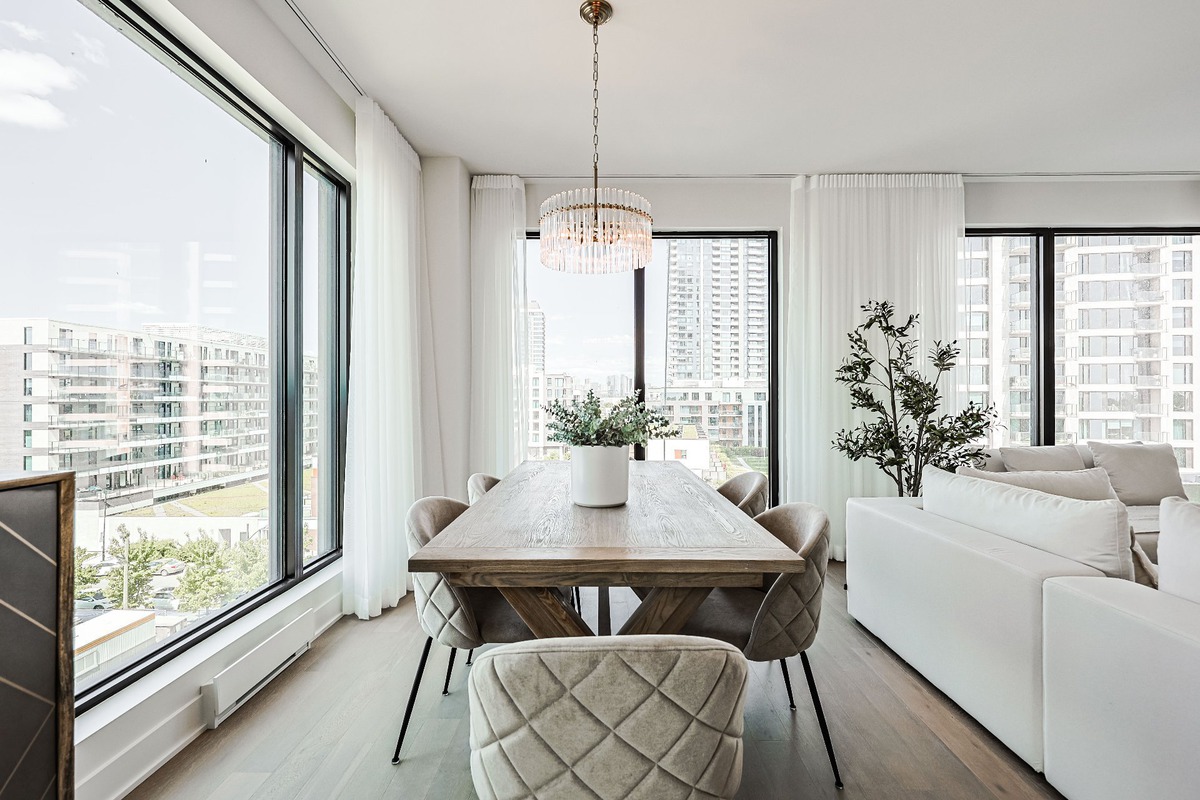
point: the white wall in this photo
(693, 203)
(1082, 202)
(446, 356)
(242, 43)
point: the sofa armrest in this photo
(1122, 683)
(959, 604)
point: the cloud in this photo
(24, 31)
(117, 307)
(92, 49)
(26, 79)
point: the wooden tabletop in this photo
(675, 530)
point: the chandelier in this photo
(594, 230)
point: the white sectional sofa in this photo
(1122, 689)
(1094, 680)
(961, 605)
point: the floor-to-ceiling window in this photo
(171, 328)
(694, 331)
(1083, 335)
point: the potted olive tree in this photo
(905, 429)
(600, 441)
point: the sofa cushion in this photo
(1142, 474)
(1092, 532)
(1058, 457)
(1081, 484)
(1145, 571)
(1179, 549)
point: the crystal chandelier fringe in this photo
(596, 231)
(585, 234)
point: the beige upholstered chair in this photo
(747, 491)
(457, 617)
(478, 485)
(780, 619)
(613, 717)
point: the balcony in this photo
(1151, 380)
(1150, 353)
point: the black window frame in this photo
(639, 333)
(289, 158)
(1042, 345)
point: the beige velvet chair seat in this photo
(611, 717)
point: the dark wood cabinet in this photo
(37, 605)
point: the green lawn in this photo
(232, 501)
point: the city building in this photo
(139, 415)
(1125, 330)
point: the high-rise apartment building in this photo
(536, 327)
(717, 311)
(134, 413)
(1125, 333)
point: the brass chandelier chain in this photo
(595, 130)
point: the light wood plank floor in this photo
(327, 726)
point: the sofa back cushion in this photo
(1179, 549)
(1044, 459)
(1092, 532)
(1142, 474)
(1080, 484)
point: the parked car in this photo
(94, 600)
(164, 600)
(103, 567)
(167, 566)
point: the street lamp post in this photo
(103, 495)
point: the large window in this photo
(156, 285)
(706, 319)
(1113, 357)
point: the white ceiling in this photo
(756, 87)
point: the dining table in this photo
(676, 536)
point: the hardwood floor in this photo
(326, 728)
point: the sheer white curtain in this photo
(382, 439)
(499, 351)
(856, 238)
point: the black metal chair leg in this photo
(449, 670)
(787, 681)
(412, 698)
(470, 655)
(816, 698)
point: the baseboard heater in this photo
(233, 686)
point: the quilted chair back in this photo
(747, 491)
(443, 610)
(478, 485)
(787, 621)
(614, 717)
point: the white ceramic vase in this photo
(599, 476)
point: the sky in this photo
(126, 196)
(589, 318)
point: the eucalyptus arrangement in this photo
(585, 423)
(906, 432)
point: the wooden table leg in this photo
(544, 611)
(603, 611)
(665, 610)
